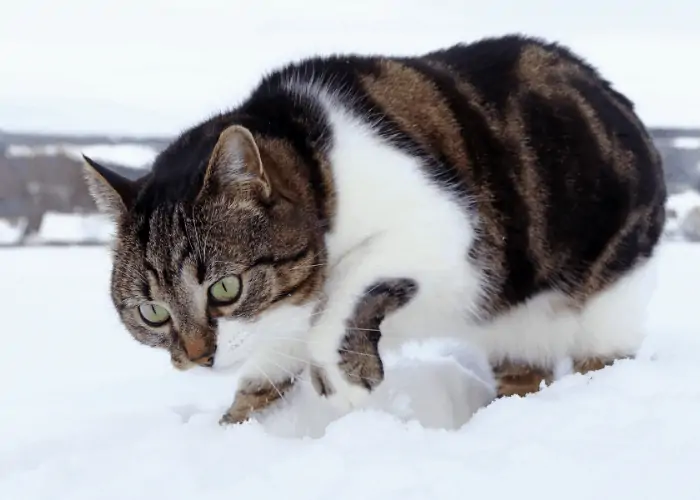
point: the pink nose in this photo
(206, 361)
(199, 351)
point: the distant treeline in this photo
(31, 186)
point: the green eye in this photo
(153, 314)
(225, 291)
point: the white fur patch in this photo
(273, 347)
(391, 222)
(544, 333)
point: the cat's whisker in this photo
(292, 357)
(200, 243)
(369, 354)
(292, 375)
(291, 339)
(264, 374)
(296, 268)
(364, 377)
(315, 365)
(307, 341)
(339, 349)
(282, 323)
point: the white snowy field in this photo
(87, 413)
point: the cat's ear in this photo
(236, 157)
(112, 193)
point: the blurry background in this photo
(118, 80)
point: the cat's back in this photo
(564, 177)
(497, 67)
(567, 179)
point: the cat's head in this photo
(211, 260)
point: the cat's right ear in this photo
(236, 158)
(112, 193)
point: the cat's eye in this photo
(225, 291)
(153, 314)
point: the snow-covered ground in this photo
(60, 228)
(10, 231)
(87, 413)
(681, 211)
(126, 155)
(73, 228)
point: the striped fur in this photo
(541, 166)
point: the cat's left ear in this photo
(236, 158)
(112, 193)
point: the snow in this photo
(87, 413)
(127, 155)
(679, 205)
(73, 228)
(683, 202)
(686, 142)
(20, 150)
(10, 233)
(60, 228)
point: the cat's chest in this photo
(384, 194)
(392, 221)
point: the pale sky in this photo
(142, 66)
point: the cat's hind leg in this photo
(553, 334)
(520, 379)
(613, 321)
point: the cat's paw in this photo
(333, 385)
(236, 414)
(231, 418)
(352, 374)
(345, 363)
(255, 395)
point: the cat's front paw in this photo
(332, 384)
(255, 395)
(347, 375)
(233, 417)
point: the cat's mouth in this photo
(231, 347)
(227, 367)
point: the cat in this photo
(499, 192)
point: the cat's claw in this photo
(345, 364)
(229, 418)
(331, 383)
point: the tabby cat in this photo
(501, 192)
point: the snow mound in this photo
(440, 385)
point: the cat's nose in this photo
(199, 351)
(206, 361)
